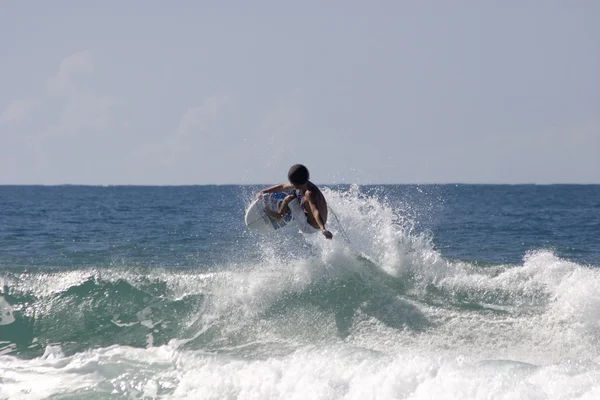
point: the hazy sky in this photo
(198, 92)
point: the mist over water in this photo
(147, 294)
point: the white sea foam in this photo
(330, 372)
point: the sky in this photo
(235, 92)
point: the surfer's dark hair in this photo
(298, 174)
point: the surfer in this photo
(307, 204)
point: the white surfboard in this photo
(258, 221)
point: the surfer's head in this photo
(298, 175)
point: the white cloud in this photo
(275, 142)
(17, 110)
(84, 113)
(207, 147)
(77, 110)
(203, 118)
(14, 112)
(70, 128)
(70, 67)
(201, 138)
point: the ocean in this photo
(425, 292)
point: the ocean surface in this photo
(425, 292)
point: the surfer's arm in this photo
(316, 215)
(277, 188)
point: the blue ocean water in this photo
(439, 291)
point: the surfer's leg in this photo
(300, 217)
(283, 209)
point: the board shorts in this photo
(300, 217)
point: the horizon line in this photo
(318, 184)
